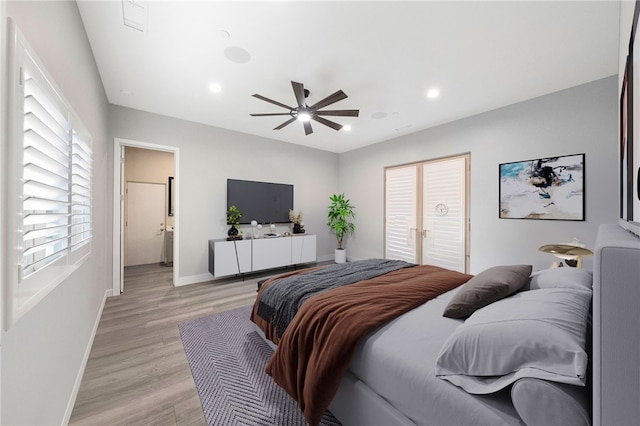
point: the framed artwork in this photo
(624, 132)
(544, 188)
(630, 133)
(633, 124)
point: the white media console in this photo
(252, 255)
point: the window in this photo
(50, 174)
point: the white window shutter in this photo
(400, 213)
(46, 179)
(444, 214)
(80, 192)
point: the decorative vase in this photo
(297, 228)
(233, 232)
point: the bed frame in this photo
(616, 327)
(616, 343)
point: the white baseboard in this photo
(194, 279)
(85, 359)
(200, 278)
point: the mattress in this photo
(397, 362)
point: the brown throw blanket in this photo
(316, 348)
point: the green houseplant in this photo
(340, 219)
(233, 218)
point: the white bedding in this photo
(398, 362)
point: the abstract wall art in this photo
(544, 188)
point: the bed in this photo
(407, 364)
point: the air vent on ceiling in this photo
(134, 14)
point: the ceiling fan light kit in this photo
(306, 113)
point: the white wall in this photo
(210, 155)
(583, 119)
(44, 352)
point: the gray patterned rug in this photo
(227, 359)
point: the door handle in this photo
(411, 232)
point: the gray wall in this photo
(207, 157)
(42, 354)
(578, 120)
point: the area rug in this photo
(227, 359)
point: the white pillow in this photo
(560, 278)
(538, 333)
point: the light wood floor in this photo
(137, 372)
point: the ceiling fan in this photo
(305, 113)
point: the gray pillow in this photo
(577, 278)
(562, 405)
(487, 287)
(536, 333)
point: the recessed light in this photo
(346, 128)
(433, 93)
(215, 88)
(224, 34)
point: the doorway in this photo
(427, 212)
(145, 223)
(144, 169)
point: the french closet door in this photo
(426, 213)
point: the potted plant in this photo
(340, 217)
(233, 218)
(296, 219)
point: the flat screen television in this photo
(261, 201)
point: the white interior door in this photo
(145, 223)
(444, 213)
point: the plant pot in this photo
(233, 233)
(340, 255)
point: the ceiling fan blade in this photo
(271, 101)
(340, 112)
(269, 114)
(333, 98)
(286, 123)
(326, 122)
(307, 128)
(298, 90)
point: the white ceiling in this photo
(384, 55)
